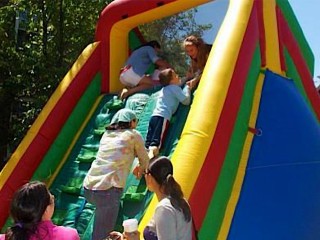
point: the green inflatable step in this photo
(73, 186)
(135, 193)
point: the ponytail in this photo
(173, 189)
(161, 169)
(18, 232)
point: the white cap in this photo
(123, 115)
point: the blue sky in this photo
(307, 13)
(305, 10)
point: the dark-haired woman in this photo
(31, 209)
(104, 183)
(133, 76)
(172, 217)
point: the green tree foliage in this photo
(170, 32)
(36, 54)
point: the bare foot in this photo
(124, 94)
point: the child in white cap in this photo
(106, 179)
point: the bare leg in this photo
(145, 83)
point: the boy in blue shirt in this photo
(170, 97)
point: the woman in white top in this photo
(172, 217)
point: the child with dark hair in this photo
(133, 76)
(167, 103)
(106, 179)
(31, 209)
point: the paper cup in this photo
(130, 225)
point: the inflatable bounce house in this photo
(246, 152)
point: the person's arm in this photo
(182, 95)
(194, 81)
(162, 64)
(187, 92)
(189, 74)
(141, 153)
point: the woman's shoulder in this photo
(148, 47)
(134, 131)
(144, 49)
(165, 209)
(166, 205)
(127, 131)
(165, 202)
(129, 134)
(65, 233)
(119, 132)
(56, 232)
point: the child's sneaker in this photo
(153, 151)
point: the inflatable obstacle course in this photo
(246, 149)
